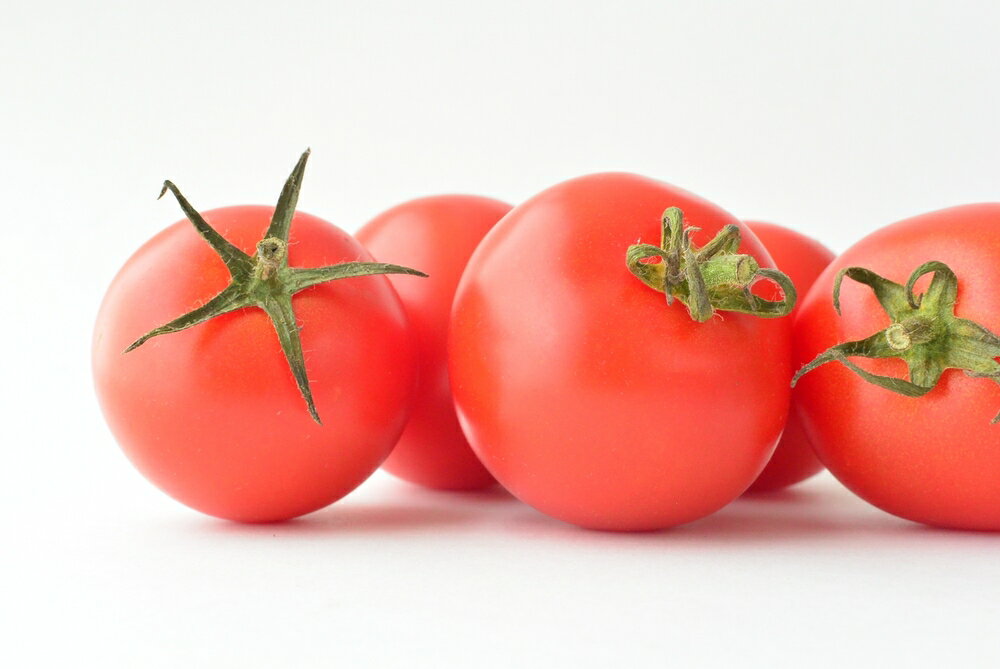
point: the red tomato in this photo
(803, 259)
(437, 235)
(583, 392)
(212, 414)
(933, 459)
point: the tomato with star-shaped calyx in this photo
(885, 335)
(258, 376)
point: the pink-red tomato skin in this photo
(803, 259)
(934, 459)
(583, 392)
(212, 415)
(436, 235)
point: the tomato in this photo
(582, 391)
(212, 414)
(803, 259)
(935, 457)
(436, 234)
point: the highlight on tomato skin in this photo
(933, 456)
(803, 259)
(596, 397)
(438, 234)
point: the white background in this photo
(831, 117)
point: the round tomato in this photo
(217, 412)
(803, 259)
(585, 392)
(928, 451)
(436, 234)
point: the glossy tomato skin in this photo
(436, 235)
(934, 459)
(212, 414)
(803, 259)
(582, 392)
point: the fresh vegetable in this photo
(803, 259)
(614, 384)
(437, 234)
(225, 416)
(898, 317)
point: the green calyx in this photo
(265, 280)
(924, 333)
(712, 278)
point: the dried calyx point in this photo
(715, 277)
(925, 333)
(270, 253)
(265, 280)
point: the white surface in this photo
(833, 118)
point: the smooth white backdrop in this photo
(833, 118)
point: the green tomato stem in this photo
(925, 333)
(265, 281)
(715, 277)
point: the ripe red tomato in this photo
(436, 234)
(212, 414)
(583, 392)
(933, 459)
(803, 259)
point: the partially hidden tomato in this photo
(884, 400)
(803, 259)
(587, 391)
(436, 234)
(217, 412)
